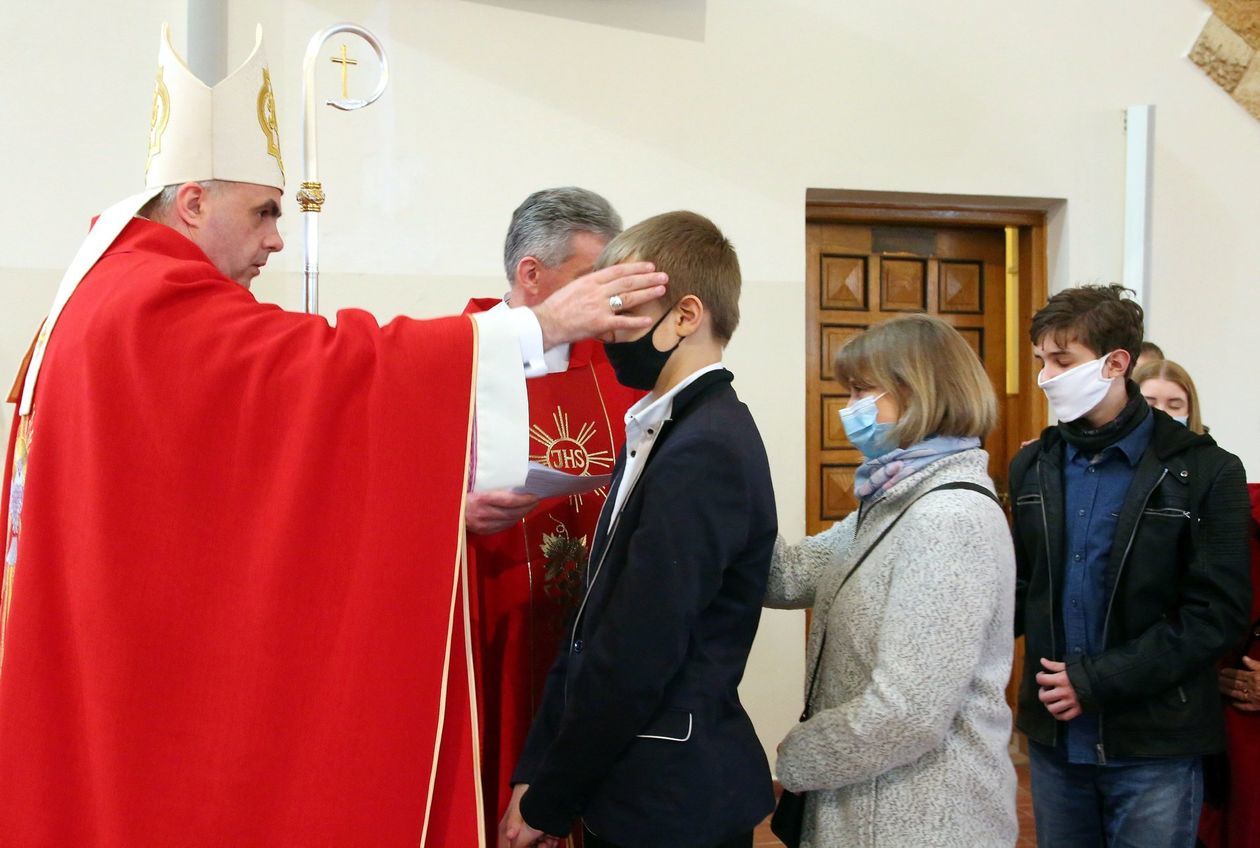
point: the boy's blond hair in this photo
(699, 260)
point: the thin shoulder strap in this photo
(960, 484)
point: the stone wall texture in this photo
(1228, 50)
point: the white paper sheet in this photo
(549, 483)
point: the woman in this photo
(1167, 387)
(906, 743)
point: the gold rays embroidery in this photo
(567, 452)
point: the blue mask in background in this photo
(867, 435)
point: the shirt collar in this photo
(650, 411)
(1131, 446)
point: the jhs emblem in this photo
(568, 452)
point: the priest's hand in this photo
(584, 308)
(514, 832)
(490, 512)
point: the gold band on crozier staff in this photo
(310, 197)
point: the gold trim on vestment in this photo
(459, 573)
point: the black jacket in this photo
(1179, 593)
(641, 732)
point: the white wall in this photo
(746, 106)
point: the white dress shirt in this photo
(643, 425)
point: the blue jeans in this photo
(1129, 803)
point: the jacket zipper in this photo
(1102, 751)
(1045, 526)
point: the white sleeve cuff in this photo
(529, 334)
(502, 405)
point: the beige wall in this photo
(735, 114)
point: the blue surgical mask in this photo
(1183, 420)
(869, 436)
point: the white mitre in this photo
(223, 133)
(196, 133)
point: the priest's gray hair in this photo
(160, 206)
(544, 225)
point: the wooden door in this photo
(859, 275)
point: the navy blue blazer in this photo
(641, 732)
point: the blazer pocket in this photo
(669, 726)
(1028, 500)
(1167, 512)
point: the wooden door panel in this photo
(903, 285)
(860, 275)
(843, 282)
(960, 287)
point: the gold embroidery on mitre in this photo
(267, 119)
(160, 117)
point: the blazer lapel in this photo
(599, 542)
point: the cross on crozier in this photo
(345, 63)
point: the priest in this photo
(234, 610)
(526, 556)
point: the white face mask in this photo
(1077, 390)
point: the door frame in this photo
(1027, 409)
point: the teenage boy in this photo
(641, 733)
(1131, 545)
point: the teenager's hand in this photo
(1057, 692)
(1241, 686)
(515, 833)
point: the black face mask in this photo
(638, 364)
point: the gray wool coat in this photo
(907, 743)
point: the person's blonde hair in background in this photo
(929, 369)
(913, 597)
(1167, 387)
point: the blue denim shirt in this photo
(1094, 491)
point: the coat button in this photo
(1184, 473)
(577, 646)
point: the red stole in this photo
(237, 612)
(577, 424)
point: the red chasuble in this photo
(237, 613)
(525, 579)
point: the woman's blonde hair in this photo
(1166, 369)
(933, 373)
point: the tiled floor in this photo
(1023, 806)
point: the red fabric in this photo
(234, 583)
(518, 624)
(1237, 824)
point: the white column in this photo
(1139, 141)
(208, 39)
